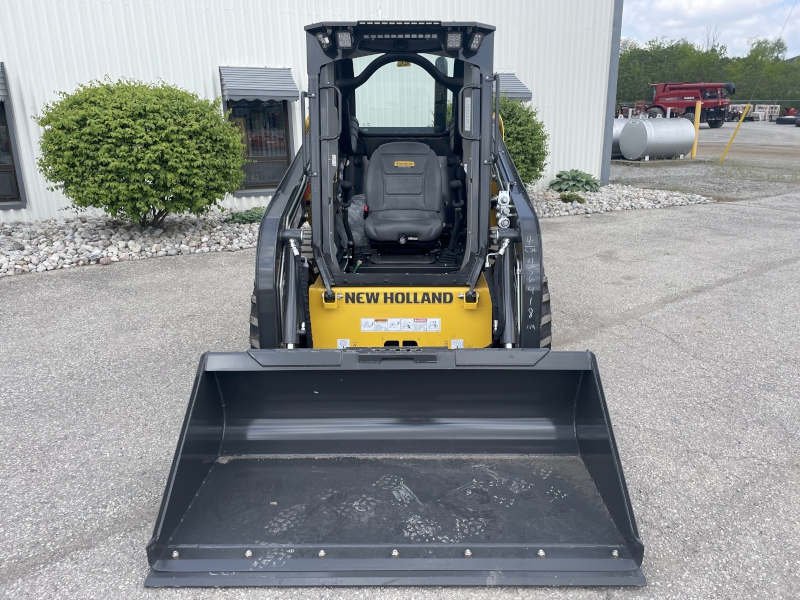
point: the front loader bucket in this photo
(397, 466)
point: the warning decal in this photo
(408, 325)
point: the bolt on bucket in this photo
(401, 466)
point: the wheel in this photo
(716, 124)
(254, 339)
(655, 112)
(689, 115)
(545, 328)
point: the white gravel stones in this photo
(548, 203)
(65, 243)
(75, 242)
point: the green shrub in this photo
(525, 138)
(139, 150)
(571, 197)
(574, 181)
(247, 216)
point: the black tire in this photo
(546, 326)
(689, 115)
(797, 122)
(254, 339)
(655, 112)
(716, 124)
(786, 120)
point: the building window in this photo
(12, 192)
(9, 189)
(265, 131)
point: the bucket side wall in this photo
(198, 449)
(598, 450)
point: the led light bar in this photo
(399, 22)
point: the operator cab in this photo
(400, 178)
(399, 169)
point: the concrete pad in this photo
(691, 311)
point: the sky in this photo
(735, 21)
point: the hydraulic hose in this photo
(291, 296)
(490, 283)
(302, 266)
(509, 332)
(344, 191)
(497, 275)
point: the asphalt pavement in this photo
(692, 312)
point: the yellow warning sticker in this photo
(404, 164)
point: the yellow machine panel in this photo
(397, 316)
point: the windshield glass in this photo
(651, 95)
(402, 95)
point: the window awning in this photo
(257, 83)
(512, 87)
(3, 86)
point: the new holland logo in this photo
(398, 298)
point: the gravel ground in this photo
(548, 203)
(81, 241)
(734, 180)
(763, 161)
(694, 324)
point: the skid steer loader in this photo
(400, 418)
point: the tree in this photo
(140, 150)
(662, 60)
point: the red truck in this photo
(681, 99)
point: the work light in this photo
(344, 39)
(453, 40)
(475, 41)
(324, 40)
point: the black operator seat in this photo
(404, 194)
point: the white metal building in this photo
(563, 54)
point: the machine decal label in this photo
(398, 298)
(404, 164)
(405, 325)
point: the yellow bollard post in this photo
(739, 124)
(697, 108)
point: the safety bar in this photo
(462, 116)
(496, 123)
(304, 148)
(328, 86)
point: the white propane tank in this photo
(618, 125)
(656, 138)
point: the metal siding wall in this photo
(558, 48)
